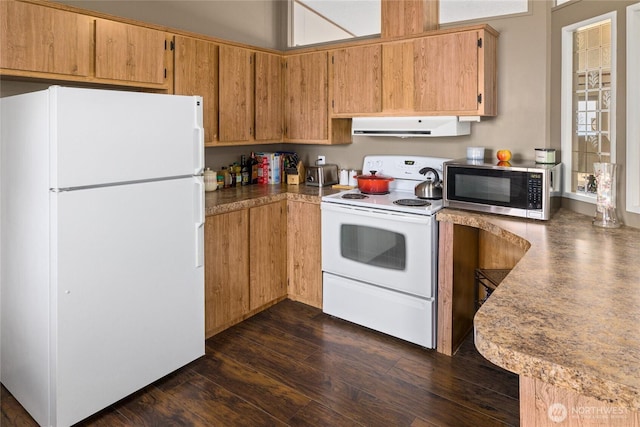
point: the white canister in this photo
(344, 177)
(545, 155)
(210, 180)
(353, 182)
(475, 153)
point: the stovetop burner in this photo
(381, 193)
(354, 196)
(412, 202)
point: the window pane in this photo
(591, 102)
(464, 10)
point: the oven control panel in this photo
(402, 167)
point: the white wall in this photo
(255, 22)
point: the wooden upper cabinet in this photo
(196, 73)
(397, 77)
(455, 73)
(306, 98)
(357, 80)
(269, 97)
(236, 94)
(40, 39)
(129, 53)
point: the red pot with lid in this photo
(373, 184)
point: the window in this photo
(322, 21)
(588, 102)
(466, 10)
(633, 108)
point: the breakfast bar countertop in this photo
(234, 198)
(569, 311)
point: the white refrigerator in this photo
(102, 216)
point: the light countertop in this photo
(569, 312)
(234, 198)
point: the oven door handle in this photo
(376, 213)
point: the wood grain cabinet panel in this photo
(397, 77)
(357, 80)
(304, 259)
(226, 270)
(306, 97)
(245, 264)
(455, 73)
(41, 39)
(196, 73)
(268, 253)
(446, 73)
(236, 94)
(129, 52)
(269, 97)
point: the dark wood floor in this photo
(294, 365)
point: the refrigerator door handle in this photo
(199, 219)
(199, 245)
(198, 150)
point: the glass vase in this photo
(605, 174)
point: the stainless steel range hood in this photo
(410, 127)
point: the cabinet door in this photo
(446, 73)
(226, 273)
(304, 266)
(269, 97)
(357, 79)
(196, 73)
(397, 77)
(267, 248)
(306, 106)
(40, 39)
(236, 94)
(129, 52)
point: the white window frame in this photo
(566, 114)
(633, 108)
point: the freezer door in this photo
(103, 136)
(127, 289)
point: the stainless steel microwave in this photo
(527, 190)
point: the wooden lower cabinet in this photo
(304, 262)
(268, 253)
(245, 264)
(226, 272)
(546, 405)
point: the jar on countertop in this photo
(210, 180)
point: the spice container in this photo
(546, 155)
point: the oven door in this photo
(390, 249)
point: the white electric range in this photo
(379, 258)
(405, 171)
